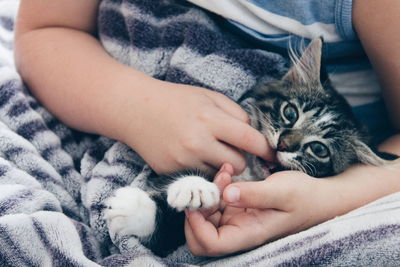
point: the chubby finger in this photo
(242, 136)
(219, 153)
(217, 241)
(204, 236)
(222, 180)
(191, 240)
(227, 168)
(258, 195)
(229, 106)
(195, 222)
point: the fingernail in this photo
(223, 168)
(233, 194)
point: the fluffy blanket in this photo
(54, 180)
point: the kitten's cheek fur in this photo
(192, 192)
(131, 212)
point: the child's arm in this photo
(171, 126)
(285, 203)
(377, 24)
(289, 202)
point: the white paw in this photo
(130, 212)
(192, 192)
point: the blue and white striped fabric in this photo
(277, 21)
(54, 181)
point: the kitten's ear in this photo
(307, 68)
(365, 155)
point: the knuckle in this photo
(212, 251)
(176, 161)
(180, 162)
(191, 144)
(205, 115)
(159, 168)
(245, 117)
(247, 138)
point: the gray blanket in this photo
(54, 180)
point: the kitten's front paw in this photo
(130, 212)
(192, 192)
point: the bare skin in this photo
(289, 202)
(99, 95)
(172, 126)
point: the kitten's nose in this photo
(282, 146)
(289, 141)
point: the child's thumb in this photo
(257, 195)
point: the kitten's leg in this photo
(192, 192)
(131, 212)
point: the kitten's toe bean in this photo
(192, 192)
(130, 212)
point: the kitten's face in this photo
(309, 125)
(309, 133)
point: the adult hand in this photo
(256, 212)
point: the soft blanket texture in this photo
(53, 180)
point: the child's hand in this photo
(284, 203)
(172, 126)
(185, 127)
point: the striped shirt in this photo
(278, 23)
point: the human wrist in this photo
(128, 105)
(327, 199)
(338, 195)
(355, 187)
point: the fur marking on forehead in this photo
(325, 118)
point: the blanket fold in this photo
(54, 180)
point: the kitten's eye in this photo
(319, 149)
(290, 113)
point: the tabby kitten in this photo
(308, 124)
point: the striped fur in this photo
(324, 121)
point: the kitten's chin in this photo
(263, 168)
(284, 162)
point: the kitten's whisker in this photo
(303, 168)
(313, 170)
(308, 166)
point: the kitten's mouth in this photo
(267, 168)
